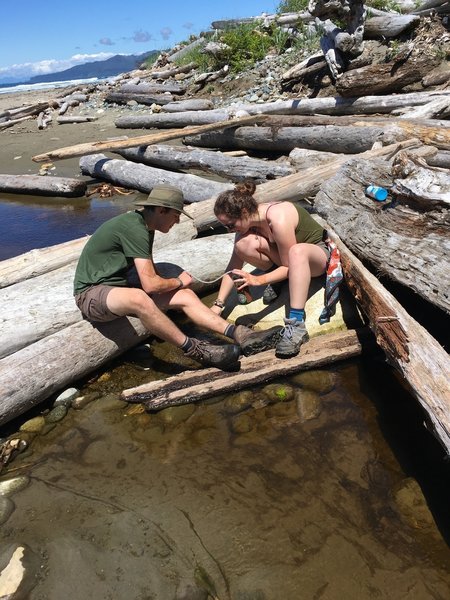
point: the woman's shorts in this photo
(325, 249)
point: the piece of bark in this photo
(436, 78)
(148, 99)
(140, 177)
(191, 386)
(181, 158)
(143, 140)
(38, 185)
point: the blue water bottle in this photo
(376, 192)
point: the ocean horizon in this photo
(47, 85)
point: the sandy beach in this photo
(24, 140)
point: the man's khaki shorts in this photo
(92, 303)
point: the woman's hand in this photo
(244, 279)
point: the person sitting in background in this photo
(103, 292)
(281, 239)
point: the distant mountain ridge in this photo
(119, 63)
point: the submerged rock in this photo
(278, 392)
(309, 405)
(7, 507)
(241, 424)
(8, 487)
(316, 380)
(34, 425)
(176, 414)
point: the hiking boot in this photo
(222, 357)
(252, 342)
(271, 292)
(293, 336)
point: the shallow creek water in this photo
(209, 501)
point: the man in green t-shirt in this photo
(103, 292)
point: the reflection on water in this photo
(30, 222)
(239, 498)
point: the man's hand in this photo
(185, 278)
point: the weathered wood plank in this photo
(193, 386)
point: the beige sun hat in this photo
(164, 195)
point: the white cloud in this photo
(141, 36)
(166, 32)
(26, 70)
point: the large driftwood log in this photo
(143, 140)
(341, 106)
(148, 99)
(172, 120)
(192, 386)
(152, 88)
(384, 78)
(390, 25)
(39, 261)
(30, 375)
(43, 314)
(143, 178)
(168, 73)
(38, 185)
(231, 168)
(409, 347)
(411, 247)
(327, 138)
(192, 104)
(351, 139)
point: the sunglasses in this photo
(230, 226)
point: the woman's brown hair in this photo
(238, 202)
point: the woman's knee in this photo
(297, 254)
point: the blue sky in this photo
(38, 38)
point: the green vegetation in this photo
(287, 6)
(385, 5)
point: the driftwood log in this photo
(172, 120)
(342, 106)
(192, 104)
(152, 88)
(168, 73)
(356, 137)
(75, 119)
(255, 370)
(143, 140)
(328, 138)
(38, 185)
(143, 178)
(385, 78)
(32, 373)
(229, 167)
(390, 25)
(412, 351)
(411, 247)
(124, 97)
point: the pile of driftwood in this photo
(324, 150)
